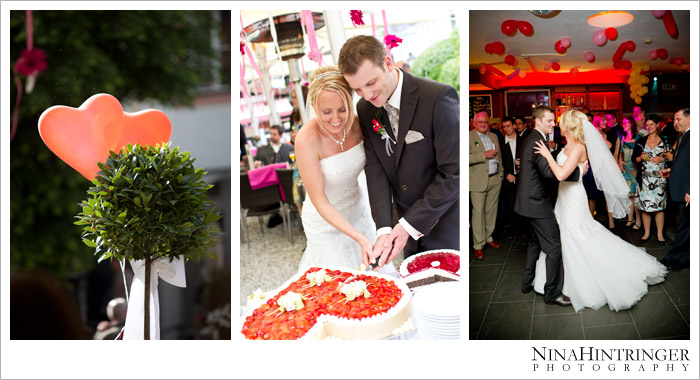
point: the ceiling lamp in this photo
(545, 14)
(610, 19)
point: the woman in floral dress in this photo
(651, 192)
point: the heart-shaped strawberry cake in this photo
(321, 303)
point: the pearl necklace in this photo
(334, 140)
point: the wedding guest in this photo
(520, 126)
(485, 176)
(590, 117)
(510, 153)
(651, 190)
(624, 146)
(668, 133)
(614, 130)
(678, 256)
(116, 312)
(640, 120)
(275, 152)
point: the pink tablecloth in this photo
(267, 176)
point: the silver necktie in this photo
(393, 118)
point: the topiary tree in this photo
(149, 203)
(440, 61)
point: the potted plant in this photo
(148, 203)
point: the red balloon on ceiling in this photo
(509, 27)
(558, 48)
(611, 33)
(525, 28)
(498, 48)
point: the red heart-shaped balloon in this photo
(83, 136)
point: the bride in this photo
(330, 155)
(599, 267)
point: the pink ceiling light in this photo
(610, 19)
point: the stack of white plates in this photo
(437, 308)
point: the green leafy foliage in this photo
(149, 202)
(137, 55)
(440, 61)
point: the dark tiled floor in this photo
(499, 310)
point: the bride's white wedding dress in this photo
(325, 245)
(599, 267)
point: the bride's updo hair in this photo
(329, 78)
(573, 120)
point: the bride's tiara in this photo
(326, 74)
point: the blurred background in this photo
(176, 61)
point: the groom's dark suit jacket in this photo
(422, 177)
(537, 184)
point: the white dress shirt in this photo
(511, 143)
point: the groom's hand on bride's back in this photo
(584, 169)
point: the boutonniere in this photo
(476, 143)
(381, 130)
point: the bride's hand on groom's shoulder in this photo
(542, 149)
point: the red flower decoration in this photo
(242, 48)
(392, 41)
(378, 127)
(31, 62)
(356, 17)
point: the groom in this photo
(536, 189)
(415, 162)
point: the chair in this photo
(286, 177)
(263, 201)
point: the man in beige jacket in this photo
(485, 176)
